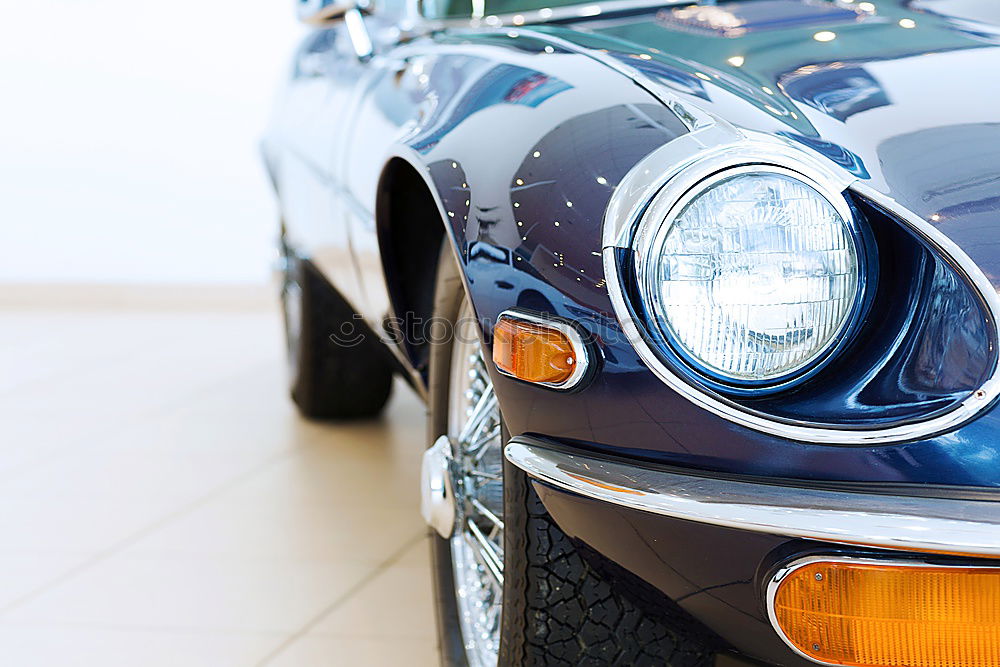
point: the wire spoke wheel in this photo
(477, 543)
(556, 607)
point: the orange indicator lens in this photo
(864, 614)
(532, 352)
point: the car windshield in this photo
(443, 9)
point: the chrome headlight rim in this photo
(680, 164)
(655, 222)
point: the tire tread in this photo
(578, 609)
(334, 381)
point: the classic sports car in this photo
(702, 299)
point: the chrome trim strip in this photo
(779, 576)
(663, 177)
(966, 527)
(581, 349)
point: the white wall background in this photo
(128, 139)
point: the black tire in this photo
(338, 368)
(448, 293)
(566, 605)
(563, 605)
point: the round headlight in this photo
(752, 276)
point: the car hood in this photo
(905, 95)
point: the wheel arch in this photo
(410, 227)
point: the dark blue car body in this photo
(523, 134)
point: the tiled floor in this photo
(162, 504)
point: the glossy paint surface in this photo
(523, 138)
(625, 409)
(894, 96)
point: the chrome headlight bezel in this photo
(710, 147)
(653, 226)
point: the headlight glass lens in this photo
(754, 278)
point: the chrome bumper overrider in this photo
(969, 527)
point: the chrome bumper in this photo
(966, 527)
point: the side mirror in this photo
(317, 11)
(361, 39)
(351, 11)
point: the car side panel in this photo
(302, 143)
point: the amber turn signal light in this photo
(536, 351)
(901, 614)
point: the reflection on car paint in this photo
(863, 99)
